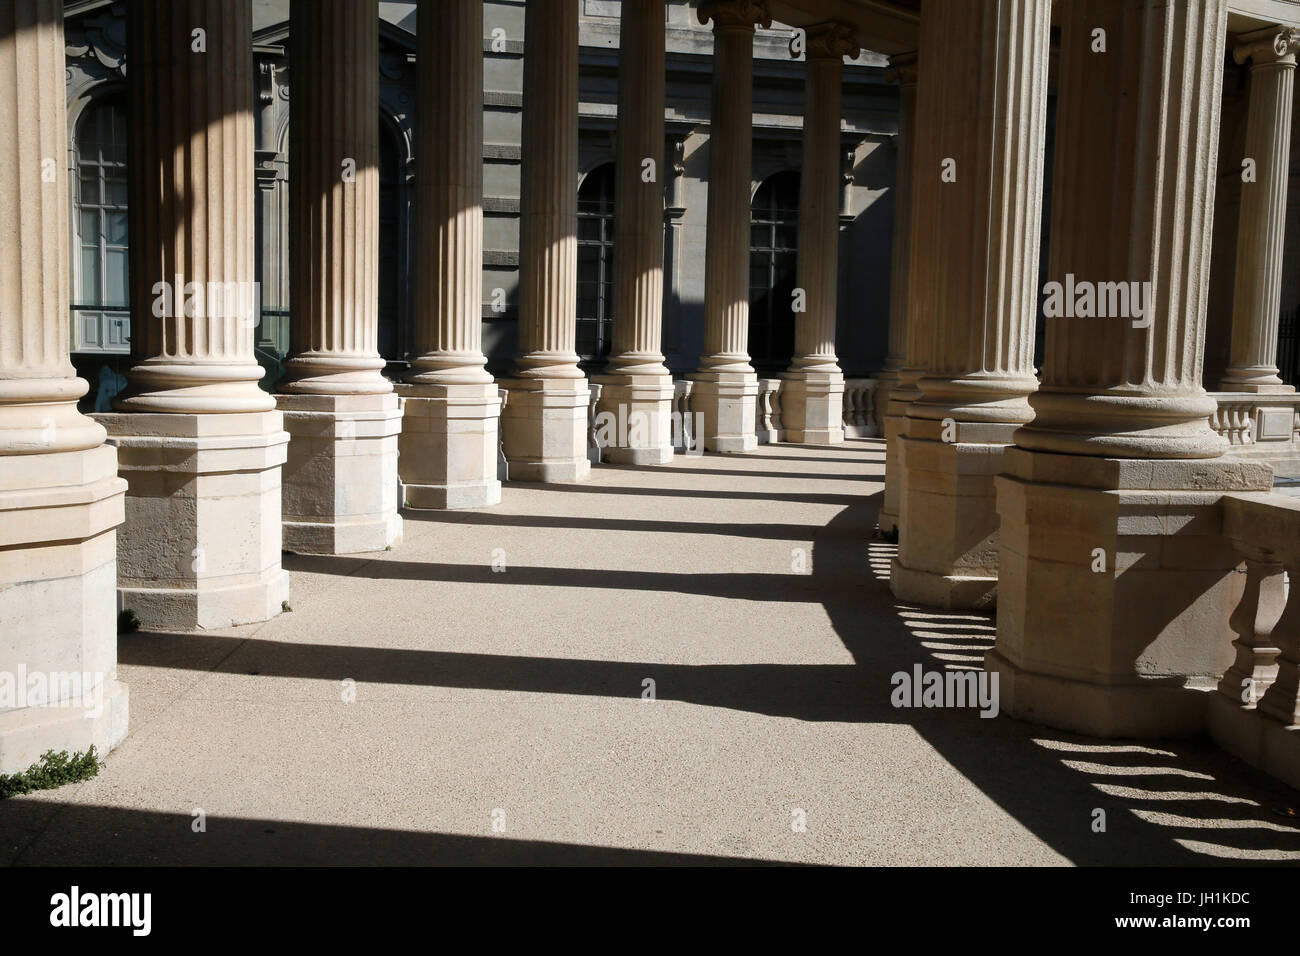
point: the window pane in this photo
(115, 187)
(115, 228)
(88, 229)
(115, 275)
(89, 293)
(89, 186)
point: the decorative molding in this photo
(736, 14)
(832, 40)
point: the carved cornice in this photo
(902, 69)
(101, 39)
(735, 14)
(832, 40)
(1266, 46)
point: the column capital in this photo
(735, 14)
(832, 40)
(1272, 45)
(902, 69)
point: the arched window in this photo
(773, 250)
(100, 296)
(596, 262)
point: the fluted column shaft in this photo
(638, 202)
(902, 69)
(819, 197)
(38, 386)
(334, 199)
(448, 342)
(548, 201)
(1133, 199)
(1261, 230)
(193, 289)
(726, 256)
(991, 124)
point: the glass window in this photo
(100, 297)
(596, 263)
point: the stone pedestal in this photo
(812, 407)
(727, 406)
(201, 544)
(58, 606)
(1115, 588)
(952, 562)
(340, 477)
(639, 410)
(544, 429)
(449, 445)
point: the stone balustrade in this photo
(862, 416)
(1262, 427)
(1255, 713)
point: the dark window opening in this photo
(773, 254)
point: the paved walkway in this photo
(516, 696)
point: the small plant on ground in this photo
(127, 622)
(52, 770)
(284, 606)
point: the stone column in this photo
(200, 444)
(1261, 226)
(60, 497)
(544, 422)
(726, 386)
(636, 389)
(1115, 581)
(983, 92)
(449, 433)
(340, 480)
(812, 395)
(898, 378)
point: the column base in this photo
(339, 487)
(544, 429)
(1256, 738)
(951, 592)
(1115, 591)
(948, 551)
(812, 407)
(1151, 708)
(58, 605)
(634, 419)
(888, 519)
(200, 547)
(727, 403)
(449, 446)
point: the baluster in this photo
(1282, 699)
(1253, 621)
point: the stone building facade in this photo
(96, 78)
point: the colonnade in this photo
(176, 505)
